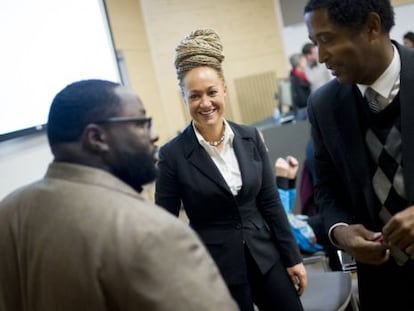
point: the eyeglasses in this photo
(147, 122)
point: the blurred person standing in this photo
(83, 238)
(299, 85)
(408, 39)
(316, 73)
(364, 145)
(220, 172)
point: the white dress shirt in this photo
(225, 159)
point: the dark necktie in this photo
(372, 99)
(376, 101)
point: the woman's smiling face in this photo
(204, 91)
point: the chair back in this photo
(327, 291)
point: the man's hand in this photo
(399, 231)
(364, 245)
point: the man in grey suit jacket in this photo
(362, 125)
(82, 238)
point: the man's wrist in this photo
(331, 236)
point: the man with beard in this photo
(82, 238)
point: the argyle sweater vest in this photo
(383, 139)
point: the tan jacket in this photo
(81, 239)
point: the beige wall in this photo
(130, 36)
(147, 32)
(399, 2)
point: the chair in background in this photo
(327, 290)
(347, 261)
(348, 264)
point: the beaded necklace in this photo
(217, 142)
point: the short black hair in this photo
(79, 104)
(353, 13)
(307, 48)
(409, 36)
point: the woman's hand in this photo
(287, 168)
(299, 278)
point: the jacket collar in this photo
(198, 157)
(89, 175)
(407, 117)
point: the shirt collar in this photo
(386, 81)
(228, 134)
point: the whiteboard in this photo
(47, 44)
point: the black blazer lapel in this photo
(352, 134)
(243, 147)
(354, 146)
(199, 158)
(407, 118)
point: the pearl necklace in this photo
(217, 142)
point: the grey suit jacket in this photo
(344, 192)
(255, 217)
(81, 239)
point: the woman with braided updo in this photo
(220, 173)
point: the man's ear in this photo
(94, 138)
(374, 25)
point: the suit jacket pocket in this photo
(258, 223)
(212, 237)
(226, 248)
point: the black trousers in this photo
(386, 287)
(273, 291)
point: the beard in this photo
(135, 168)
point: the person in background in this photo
(220, 172)
(408, 39)
(308, 182)
(364, 145)
(286, 171)
(309, 208)
(83, 238)
(316, 73)
(308, 229)
(299, 86)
